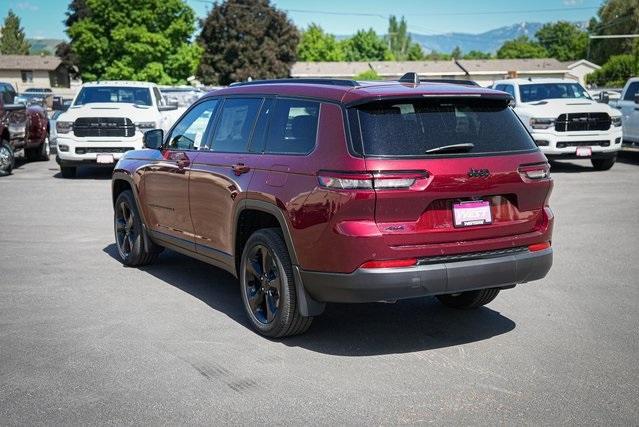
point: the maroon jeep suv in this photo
(315, 191)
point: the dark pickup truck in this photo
(23, 128)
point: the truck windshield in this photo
(437, 127)
(541, 91)
(130, 95)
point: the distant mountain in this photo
(490, 41)
(38, 45)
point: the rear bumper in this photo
(370, 285)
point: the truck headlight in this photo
(536, 123)
(616, 121)
(144, 126)
(63, 127)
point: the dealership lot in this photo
(85, 340)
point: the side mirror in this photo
(153, 139)
(168, 107)
(512, 102)
(604, 97)
(637, 98)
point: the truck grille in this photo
(575, 122)
(103, 126)
(565, 144)
(100, 150)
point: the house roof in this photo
(572, 64)
(29, 62)
(383, 68)
(426, 68)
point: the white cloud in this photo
(25, 5)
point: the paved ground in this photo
(85, 340)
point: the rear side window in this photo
(293, 127)
(413, 128)
(235, 125)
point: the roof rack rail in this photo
(411, 78)
(331, 82)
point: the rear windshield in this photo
(131, 95)
(415, 127)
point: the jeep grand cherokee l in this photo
(313, 191)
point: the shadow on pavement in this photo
(88, 172)
(568, 167)
(344, 329)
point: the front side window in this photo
(190, 132)
(439, 127)
(235, 125)
(293, 127)
(540, 91)
(108, 94)
(633, 88)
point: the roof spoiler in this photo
(411, 78)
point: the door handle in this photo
(240, 168)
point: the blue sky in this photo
(43, 18)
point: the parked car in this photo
(23, 129)
(105, 120)
(182, 97)
(40, 98)
(628, 104)
(53, 134)
(313, 191)
(565, 121)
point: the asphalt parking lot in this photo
(84, 340)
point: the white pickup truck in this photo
(107, 119)
(565, 121)
(628, 105)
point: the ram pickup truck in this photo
(628, 105)
(107, 119)
(23, 129)
(564, 120)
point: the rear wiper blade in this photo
(467, 146)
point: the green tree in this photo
(521, 47)
(456, 53)
(477, 54)
(415, 52)
(613, 17)
(142, 40)
(615, 72)
(77, 10)
(437, 56)
(367, 75)
(398, 38)
(366, 45)
(12, 38)
(316, 45)
(563, 40)
(246, 38)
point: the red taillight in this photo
(538, 246)
(535, 172)
(390, 263)
(394, 180)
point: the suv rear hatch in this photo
(448, 170)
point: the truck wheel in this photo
(603, 164)
(129, 233)
(68, 171)
(268, 287)
(470, 299)
(45, 150)
(7, 159)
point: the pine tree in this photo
(12, 38)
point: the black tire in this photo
(7, 158)
(470, 299)
(68, 171)
(603, 164)
(270, 287)
(129, 233)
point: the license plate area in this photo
(104, 159)
(584, 151)
(471, 213)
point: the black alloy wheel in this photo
(126, 231)
(263, 284)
